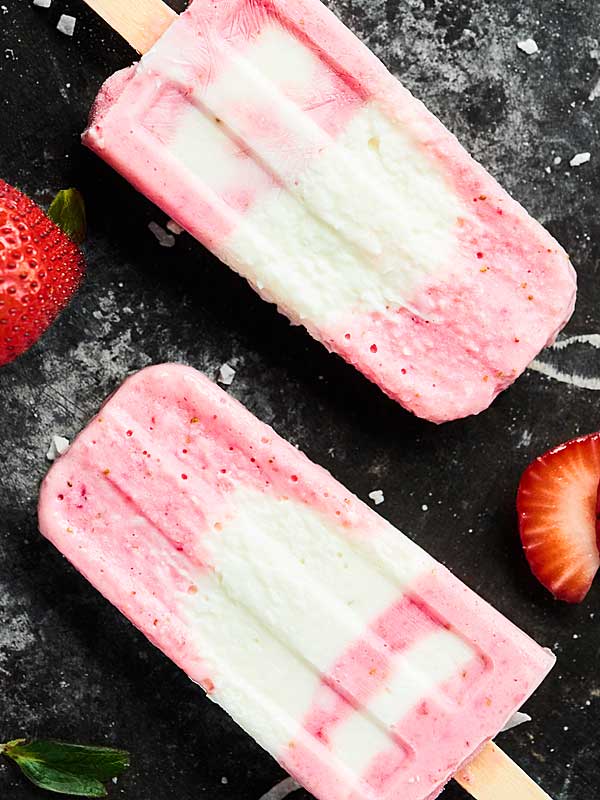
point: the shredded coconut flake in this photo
(66, 24)
(42, 3)
(579, 159)
(58, 446)
(226, 375)
(528, 46)
(518, 718)
(377, 496)
(164, 239)
(282, 790)
(174, 227)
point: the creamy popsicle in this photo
(359, 662)
(268, 131)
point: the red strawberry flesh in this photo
(557, 504)
(40, 270)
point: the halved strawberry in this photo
(556, 504)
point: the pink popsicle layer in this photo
(282, 143)
(360, 663)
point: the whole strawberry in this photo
(41, 267)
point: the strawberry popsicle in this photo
(359, 662)
(268, 131)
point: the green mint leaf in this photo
(54, 780)
(96, 762)
(67, 768)
(67, 210)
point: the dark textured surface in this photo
(70, 666)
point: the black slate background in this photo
(70, 666)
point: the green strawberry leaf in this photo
(67, 210)
(67, 768)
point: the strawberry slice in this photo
(557, 506)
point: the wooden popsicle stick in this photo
(140, 22)
(492, 775)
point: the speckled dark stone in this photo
(70, 665)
